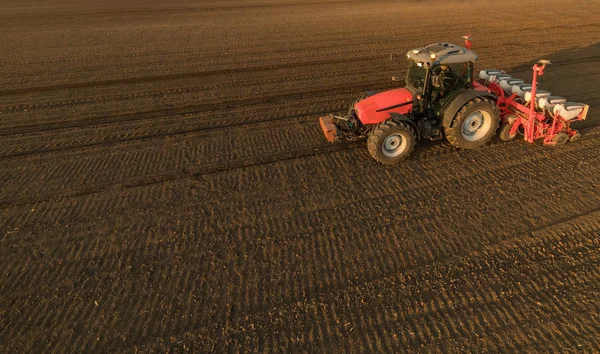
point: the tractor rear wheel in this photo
(391, 142)
(474, 125)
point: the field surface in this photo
(164, 184)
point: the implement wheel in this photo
(504, 134)
(474, 125)
(391, 142)
(560, 138)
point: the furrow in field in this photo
(347, 178)
(222, 105)
(423, 227)
(461, 300)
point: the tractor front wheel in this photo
(474, 125)
(391, 142)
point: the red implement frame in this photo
(535, 124)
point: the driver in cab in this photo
(442, 80)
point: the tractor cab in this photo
(437, 71)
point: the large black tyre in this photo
(391, 142)
(474, 125)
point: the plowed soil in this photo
(165, 185)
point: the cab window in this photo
(416, 75)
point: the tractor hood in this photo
(377, 108)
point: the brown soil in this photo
(165, 184)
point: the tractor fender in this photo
(402, 118)
(458, 102)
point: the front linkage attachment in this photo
(339, 128)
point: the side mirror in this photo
(397, 78)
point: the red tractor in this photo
(442, 100)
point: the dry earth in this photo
(165, 185)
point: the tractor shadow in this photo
(572, 76)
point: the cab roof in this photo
(442, 53)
